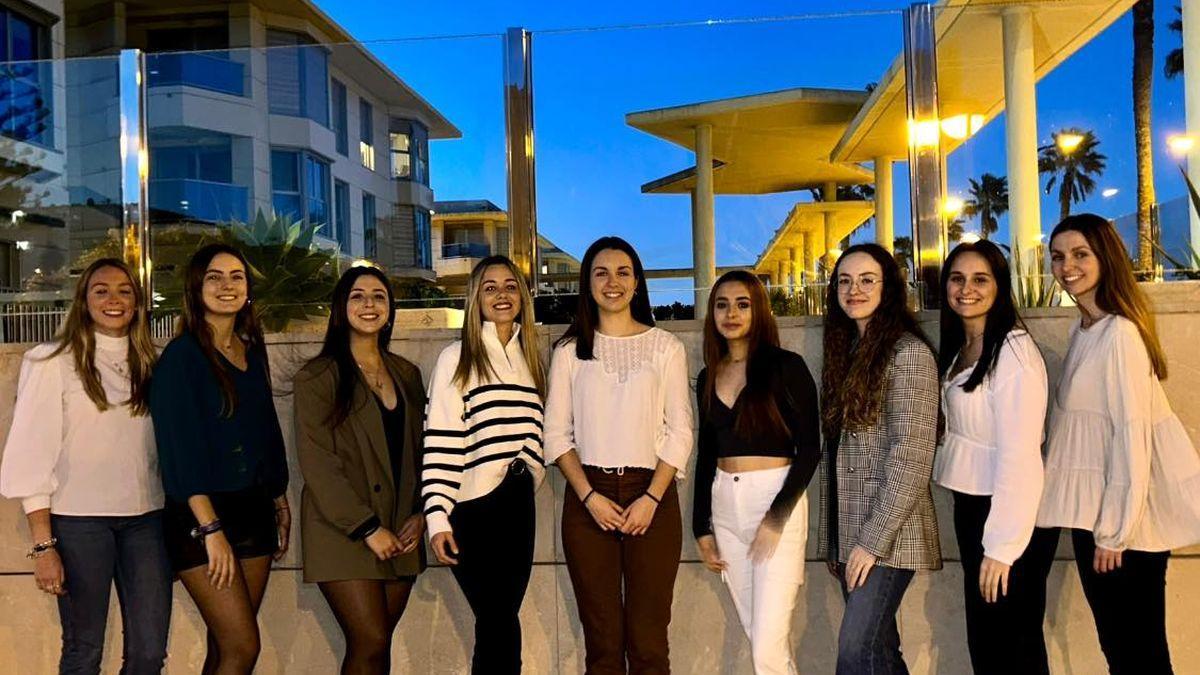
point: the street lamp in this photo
(1109, 192)
(1180, 144)
(1067, 142)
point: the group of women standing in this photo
(193, 438)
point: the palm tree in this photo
(904, 255)
(1143, 77)
(989, 201)
(1173, 65)
(1074, 171)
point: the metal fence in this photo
(33, 322)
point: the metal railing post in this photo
(518, 118)
(135, 168)
(924, 151)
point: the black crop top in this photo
(796, 396)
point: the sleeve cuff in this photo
(35, 503)
(677, 459)
(437, 522)
(359, 533)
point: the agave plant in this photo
(1031, 289)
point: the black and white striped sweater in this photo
(473, 434)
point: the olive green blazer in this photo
(348, 473)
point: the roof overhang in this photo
(809, 218)
(970, 58)
(765, 143)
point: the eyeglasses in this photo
(865, 284)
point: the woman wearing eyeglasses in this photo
(879, 412)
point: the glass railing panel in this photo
(213, 71)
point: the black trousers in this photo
(1129, 606)
(495, 554)
(1005, 636)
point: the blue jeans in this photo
(96, 551)
(869, 642)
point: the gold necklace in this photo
(374, 378)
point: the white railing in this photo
(33, 322)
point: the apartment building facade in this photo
(264, 105)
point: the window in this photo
(409, 144)
(210, 161)
(300, 187)
(341, 121)
(502, 240)
(194, 39)
(370, 245)
(297, 77)
(422, 253)
(25, 85)
(341, 214)
(366, 134)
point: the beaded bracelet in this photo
(39, 549)
(204, 530)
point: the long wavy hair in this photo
(78, 335)
(758, 413)
(587, 316)
(336, 347)
(473, 358)
(245, 324)
(1117, 292)
(853, 377)
(1000, 320)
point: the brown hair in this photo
(473, 357)
(245, 324)
(854, 369)
(759, 411)
(77, 334)
(1117, 292)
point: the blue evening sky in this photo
(590, 165)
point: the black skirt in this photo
(247, 520)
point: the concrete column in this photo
(1020, 110)
(885, 227)
(830, 192)
(704, 255)
(784, 278)
(811, 256)
(1191, 99)
(797, 255)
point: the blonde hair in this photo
(473, 357)
(77, 334)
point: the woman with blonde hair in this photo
(483, 458)
(1121, 472)
(80, 456)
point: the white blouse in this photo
(629, 406)
(65, 454)
(1118, 461)
(992, 444)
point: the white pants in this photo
(764, 593)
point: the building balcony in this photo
(466, 250)
(200, 199)
(204, 71)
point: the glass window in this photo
(401, 160)
(422, 254)
(370, 245)
(297, 77)
(300, 187)
(408, 144)
(285, 184)
(316, 85)
(366, 134)
(211, 161)
(341, 122)
(25, 86)
(316, 194)
(341, 214)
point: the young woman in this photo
(619, 425)
(222, 456)
(879, 398)
(994, 401)
(483, 458)
(80, 457)
(1121, 472)
(760, 441)
(358, 437)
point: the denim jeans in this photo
(96, 551)
(869, 641)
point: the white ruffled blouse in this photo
(1118, 460)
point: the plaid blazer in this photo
(883, 471)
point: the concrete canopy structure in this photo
(799, 243)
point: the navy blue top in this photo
(201, 451)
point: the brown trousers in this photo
(623, 584)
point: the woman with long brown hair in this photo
(1121, 471)
(80, 457)
(759, 444)
(879, 400)
(358, 437)
(222, 456)
(483, 458)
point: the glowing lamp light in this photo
(1108, 192)
(956, 127)
(1067, 142)
(923, 133)
(23, 245)
(835, 253)
(362, 262)
(969, 238)
(1180, 144)
(976, 123)
(952, 206)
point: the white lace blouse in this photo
(629, 406)
(1118, 461)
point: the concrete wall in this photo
(300, 636)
